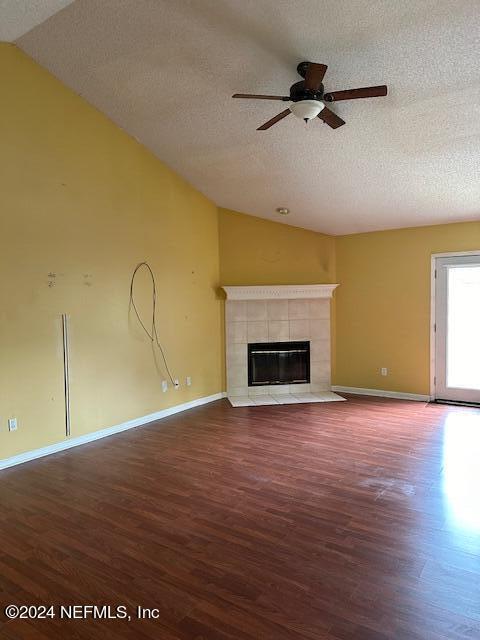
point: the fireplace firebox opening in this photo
(271, 363)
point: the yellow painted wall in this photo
(383, 304)
(82, 200)
(254, 251)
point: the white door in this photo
(457, 335)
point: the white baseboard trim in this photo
(104, 433)
(399, 395)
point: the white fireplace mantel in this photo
(280, 292)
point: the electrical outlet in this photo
(384, 371)
(12, 424)
(176, 384)
(189, 381)
(164, 386)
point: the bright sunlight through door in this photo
(463, 328)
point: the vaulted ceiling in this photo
(19, 16)
(165, 70)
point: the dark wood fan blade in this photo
(314, 76)
(352, 94)
(258, 97)
(331, 118)
(274, 120)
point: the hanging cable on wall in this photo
(153, 333)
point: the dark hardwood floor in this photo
(343, 521)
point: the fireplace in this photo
(278, 344)
(274, 363)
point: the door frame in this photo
(433, 266)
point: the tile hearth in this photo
(288, 398)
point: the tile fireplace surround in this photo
(278, 314)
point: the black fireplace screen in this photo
(278, 363)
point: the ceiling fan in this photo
(309, 97)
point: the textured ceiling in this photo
(165, 71)
(19, 16)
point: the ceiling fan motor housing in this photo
(299, 92)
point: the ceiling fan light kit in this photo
(307, 109)
(308, 97)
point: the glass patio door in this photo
(457, 335)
